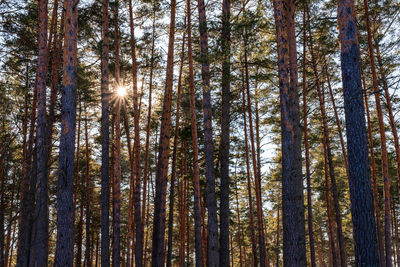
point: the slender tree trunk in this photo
(78, 191)
(88, 245)
(392, 121)
(385, 166)
(163, 154)
(28, 197)
(173, 167)
(261, 237)
(327, 146)
(249, 182)
(55, 78)
(2, 204)
(10, 230)
(364, 232)
(136, 152)
(116, 248)
(278, 230)
(212, 244)
(196, 170)
(65, 213)
(396, 233)
(182, 217)
(239, 229)
(294, 251)
(225, 124)
(131, 187)
(40, 234)
(307, 150)
(147, 145)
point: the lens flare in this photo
(121, 91)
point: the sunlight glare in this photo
(121, 91)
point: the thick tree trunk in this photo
(163, 154)
(225, 123)
(307, 150)
(173, 170)
(294, 250)
(365, 243)
(105, 140)
(212, 225)
(65, 186)
(196, 170)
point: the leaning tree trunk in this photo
(163, 153)
(65, 187)
(385, 165)
(362, 207)
(224, 145)
(105, 140)
(294, 250)
(373, 179)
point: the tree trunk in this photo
(65, 187)
(261, 237)
(307, 150)
(173, 170)
(40, 235)
(105, 140)
(163, 153)
(212, 245)
(385, 166)
(294, 250)
(365, 243)
(327, 146)
(28, 196)
(225, 124)
(88, 245)
(249, 182)
(381, 253)
(196, 170)
(116, 248)
(78, 191)
(239, 229)
(136, 150)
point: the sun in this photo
(121, 91)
